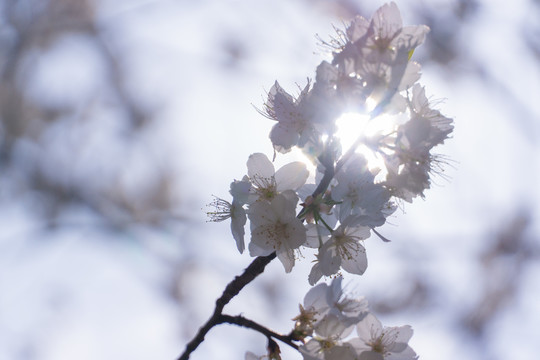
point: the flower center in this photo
(377, 345)
(265, 187)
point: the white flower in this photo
(376, 342)
(327, 343)
(386, 33)
(340, 249)
(377, 40)
(346, 308)
(344, 250)
(410, 179)
(378, 53)
(274, 227)
(317, 272)
(427, 127)
(331, 299)
(267, 183)
(359, 195)
(302, 121)
(240, 190)
(235, 210)
(410, 165)
(293, 124)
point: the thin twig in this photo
(250, 324)
(232, 289)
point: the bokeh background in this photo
(120, 119)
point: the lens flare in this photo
(371, 134)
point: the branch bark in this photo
(250, 324)
(233, 288)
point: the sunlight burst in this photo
(354, 126)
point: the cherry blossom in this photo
(371, 74)
(358, 193)
(267, 183)
(235, 210)
(327, 342)
(376, 342)
(293, 123)
(275, 227)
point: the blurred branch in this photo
(503, 263)
(34, 26)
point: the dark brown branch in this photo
(234, 287)
(329, 172)
(250, 324)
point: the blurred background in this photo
(120, 119)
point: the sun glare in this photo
(352, 126)
(296, 154)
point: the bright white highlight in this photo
(352, 127)
(370, 104)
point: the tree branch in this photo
(232, 289)
(250, 324)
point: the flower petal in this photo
(259, 166)
(371, 355)
(238, 221)
(284, 137)
(369, 328)
(287, 259)
(357, 263)
(291, 176)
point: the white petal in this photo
(259, 166)
(357, 29)
(359, 345)
(316, 297)
(240, 190)
(410, 76)
(370, 355)
(326, 73)
(258, 245)
(287, 259)
(335, 290)
(405, 333)
(407, 354)
(330, 326)
(387, 19)
(345, 209)
(329, 260)
(281, 103)
(369, 328)
(296, 232)
(260, 213)
(357, 264)
(291, 176)
(310, 350)
(238, 221)
(284, 206)
(340, 352)
(284, 136)
(413, 35)
(315, 234)
(315, 274)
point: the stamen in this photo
(223, 210)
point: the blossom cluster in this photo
(352, 190)
(329, 318)
(371, 75)
(333, 326)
